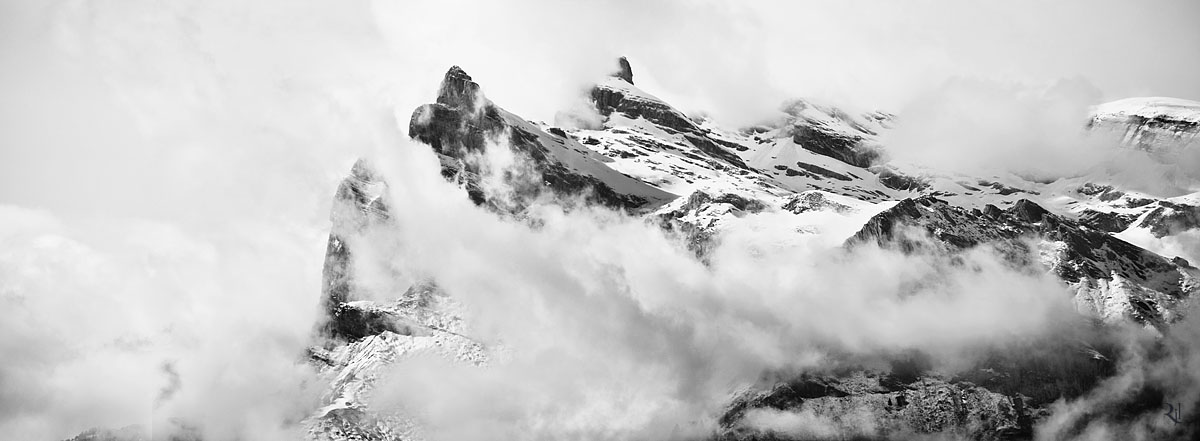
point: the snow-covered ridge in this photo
(1162, 108)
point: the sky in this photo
(166, 167)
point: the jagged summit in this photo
(625, 72)
(462, 122)
(458, 89)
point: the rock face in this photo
(697, 219)
(1168, 219)
(625, 72)
(1097, 264)
(462, 121)
(870, 405)
(1151, 123)
(1001, 397)
(834, 145)
(814, 201)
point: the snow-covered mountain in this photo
(699, 181)
(813, 170)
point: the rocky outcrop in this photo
(1000, 395)
(1095, 262)
(813, 201)
(1168, 219)
(870, 405)
(897, 181)
(1106, 221)
(835, 145)
(625, 71)
(612, 99)
(699, 217)
(620, 96)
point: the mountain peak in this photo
(625, 72)
(457, 89)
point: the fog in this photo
(166, 170)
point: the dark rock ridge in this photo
(633, 103)
(835, 145)
(625, 72)
(1106, 221)
(1170, 218)
(1000, 397)
(460, 125)
(820, 138)
(1086, 256)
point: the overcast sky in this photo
(116, 81)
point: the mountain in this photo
(700, 182)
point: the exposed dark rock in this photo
(1028, 211)
(351, 322)
(698, 232)
(992, 211)
(1092, 189)
(1002, 189)
(609, 100)
(813, 201)
(834, 145)
(896, 181)
(823, 171)
(1087, 255)
(625, 72)
(926, 405)
(463, 119)
(1169, 219)
(1106, 221)
(999, 396)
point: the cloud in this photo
(980, 126)
(740, 60)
